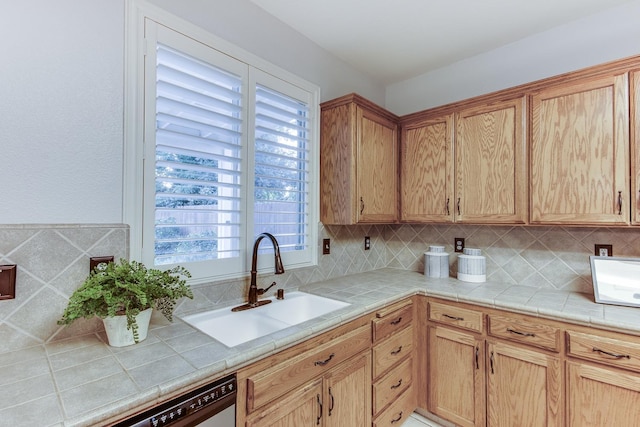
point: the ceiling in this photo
(393, 40)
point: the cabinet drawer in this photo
(610, 351)
(274, 382)
(392, 350)
(389, 387)
(461, 317)
(392, 322)
(398, 412)
(524, 331)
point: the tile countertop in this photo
(83, 382)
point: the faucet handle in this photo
(262, 291)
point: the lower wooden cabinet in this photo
(339, 398)
(393, 369)
(347, 393)
(456, 376)
(603, 379)
(479, 381)
(477, 367)
(524, 387)
(600, 396)
(301, 407)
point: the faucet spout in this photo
(252, 300)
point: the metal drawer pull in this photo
(398, 320)
(393, 387)
(361, 205)
(617, 356)
(524, 334)
(324, 362)
(397, 351)
(491, 362)
(453, 317)
(398, 418)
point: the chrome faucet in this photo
(254, 292)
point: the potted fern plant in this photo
(123, 295)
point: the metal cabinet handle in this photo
(616, 355)
(361, 205)
(458, 205)
(447, 206)
(524, 334)
(395, 386)
(324, 362)
(398, 418)
(491, 362)
(320, 410)
(477, 355)
(397, 351)
(398, 320)
(331, 402)
(619, 202)
(453, 317)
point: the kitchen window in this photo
(230, 151)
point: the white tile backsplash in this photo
(53, 260)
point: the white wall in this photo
(62, 97)
(251, 28)
(61, 104)
(596, 39)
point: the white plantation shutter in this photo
(281, 192)
(198, 160)
(228, 153)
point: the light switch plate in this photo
(7, 281)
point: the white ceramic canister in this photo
(436, 262)
(472, 266)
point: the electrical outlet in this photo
(7, 281)
(326, 246)
(603, 250)
(95, 261)
(458, 244)
(367, 243)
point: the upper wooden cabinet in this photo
(490, 163)
(426, 173)
(483, 147)
(358, 162)
(635, 146)
(579, 146)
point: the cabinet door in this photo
(426, 178)
(490, 163)
(602, 397)
(524, 387)
(456, 376)
(348, 393)
(635, 147)
(338, 165)
(302, 407)
(580, 153)
(377, 170)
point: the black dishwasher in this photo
(210, 405)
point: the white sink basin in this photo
(233, 328)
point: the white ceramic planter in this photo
(119, 335)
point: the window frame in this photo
(135, 122)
